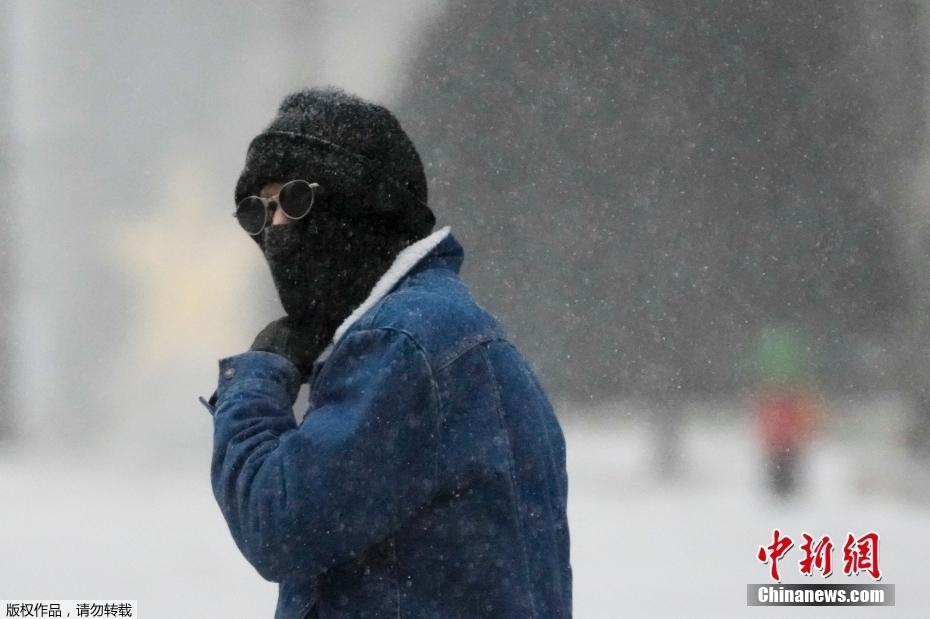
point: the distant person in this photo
(428, 477)
(788, 404)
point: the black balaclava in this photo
(373, 202)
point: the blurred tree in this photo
(643, 184)
(141, 86)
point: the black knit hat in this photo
(352, 147)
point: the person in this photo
(789, 406)
(427, 477)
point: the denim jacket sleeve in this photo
(299, 500)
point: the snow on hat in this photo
(338, 139)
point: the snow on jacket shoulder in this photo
(427, 478)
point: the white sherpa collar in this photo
(405, 260)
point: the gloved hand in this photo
(297, 342)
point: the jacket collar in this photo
(439, 249)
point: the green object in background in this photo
(781, 355)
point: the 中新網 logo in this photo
(860, 554)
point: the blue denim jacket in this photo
(427, 478)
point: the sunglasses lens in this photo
(251, 215)
(296, 198)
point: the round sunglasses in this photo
(295, 199)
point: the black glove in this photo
(298, 343)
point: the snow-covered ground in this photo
(686, 548)
(84, 524)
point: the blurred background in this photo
(705, 224)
